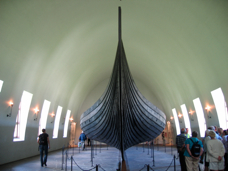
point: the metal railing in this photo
(148, 167)
(68, 153)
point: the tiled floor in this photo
(107, 158)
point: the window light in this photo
(56, 124)
(176, 121)
(200, 116)
(22, 116)
(66, 123)
(1, 84)
(186, 118)
(221, 108)
(43, 116)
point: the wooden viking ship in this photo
(122, 117)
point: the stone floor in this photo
(106, 157)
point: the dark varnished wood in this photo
(122, 117)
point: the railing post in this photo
(148, 149)
(71, 167)
(91, 144)
(96, 167)
(62, 157)
(153, 155)
(96, 148)
(66, 161)
(73, 148)
(93, 150)
(165, 148)
(171, 149)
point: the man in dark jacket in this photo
(44, 145)
(180, 139)
(82, 138)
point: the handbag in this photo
(79, 144)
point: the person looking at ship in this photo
(187, 134)
(82, 138)
(192, 160)
(180, 139)
(215, 153)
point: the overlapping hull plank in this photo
(122, 117)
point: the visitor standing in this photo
(215, 153)
(163, 138)
(192, 159)
(180, 139)
(225, 143)
(187, 134)
(88, 141)
(82, 138)
(206, 139)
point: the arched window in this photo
(1, 84)
(22, 116)
(221, 107)
(186, 118)
(43, 116)
(66, 123)
(200, 116)
(177, 124)
(56, 124)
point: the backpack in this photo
(43, 141)
(195, 150)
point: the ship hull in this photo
(122, 117)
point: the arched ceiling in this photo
(63, 50)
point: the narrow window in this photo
(221, 108)
(176, 121)
(22, 116)
(186, 118)
(66, 123)
(1, 84)
(56, 124)
(200, 116)
(43, 116)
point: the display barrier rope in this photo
(65, 151)
(171, 163)
(147, 166)
(101, 167)
(72, 160)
